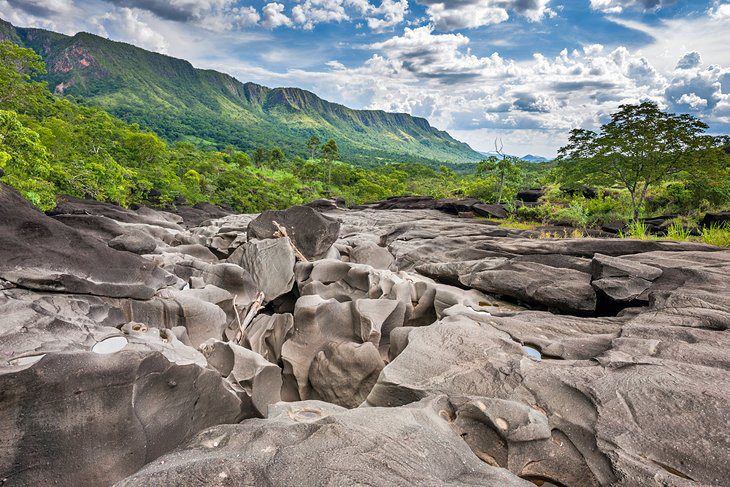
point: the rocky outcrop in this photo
(38, 252)
(413, 347)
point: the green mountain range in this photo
(179, 102)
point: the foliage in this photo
(505, 175)
(640, 147)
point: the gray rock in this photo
(137, 244)
(311, 445)
(270, 263)
(38, 252)
(312, 232)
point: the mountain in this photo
(527, 158)
(533, 158)
(180, 102)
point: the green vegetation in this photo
(211, 109)
(640, 147)
(51, 145)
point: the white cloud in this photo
(313, 12)
(720, 11)
(126, 24)
(274, 16)
(470, 14)
(389, 14)
(618, 6)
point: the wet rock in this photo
(312, 232)
(374, 446)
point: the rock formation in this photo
(411, 347)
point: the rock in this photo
(620, 279)
(327, 204)
(202, 320)
(490, 211)
(531, 195)
(194, 216)
(270, 263)
(312, 232)
(319, 325)
(371, 254)
(615, 227)
(307, 443)
(38, 252)
(720, 218)
(256, 380)
(137, 244)
(537, 284)
(267, 333)
(343, 373)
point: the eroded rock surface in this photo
(467, 353)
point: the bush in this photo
(718, 235)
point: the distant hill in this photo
(180, 102)
(528, 157)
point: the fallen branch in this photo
(281, 233)
(253, 310)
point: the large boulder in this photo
(311, 231)
(310, 443)
(270, 263)
(38, 252)
(537, 284)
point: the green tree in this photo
(505, 172)
(640, 147)
(259, 157)
(330, 153)
(313, 145)
(18, 67)
(24, 161)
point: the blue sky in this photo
(525, 71)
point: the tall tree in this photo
(330, 153)
(505, 169)
(313, 145)
(18, 67)
(640, 147)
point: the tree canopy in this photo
(640, 147)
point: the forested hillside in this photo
(181, 103)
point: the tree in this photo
(24, 161)
(330, 153)
(18, 67)
(505, 169)
(259, 157)
(313, 145)
(640, 147)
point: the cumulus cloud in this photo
(720, 11)
(126, 24)
(274, 16)
(313, 12)
(470, 14)
(618, 6)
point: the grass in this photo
(638, 231)
(716, 234)
(678, 232)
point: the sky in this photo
(522, 71)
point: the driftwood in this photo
(281, 233)
(253, 310)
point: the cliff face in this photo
(178, 101)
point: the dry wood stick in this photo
(281, 233)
